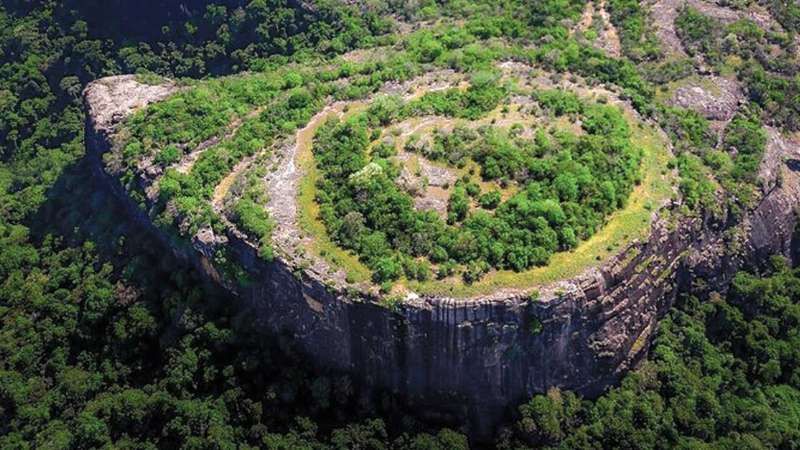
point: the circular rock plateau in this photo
(257, 180)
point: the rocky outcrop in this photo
(480, 356)
(664, 12)
(715, 98)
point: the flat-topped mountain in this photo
(477, 230)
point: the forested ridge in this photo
(104, 343)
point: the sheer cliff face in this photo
(480, 356)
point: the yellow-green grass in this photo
(631, 222)
(321, 245)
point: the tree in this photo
(458, 206)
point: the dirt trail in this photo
(299, 235)
(221, 190)
(607, 36)
(282, 184)
(440, 177)
(587, 17)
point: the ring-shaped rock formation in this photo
(223, 173)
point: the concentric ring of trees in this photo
(474, 179)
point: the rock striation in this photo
(479, 356)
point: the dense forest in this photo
(104, 343)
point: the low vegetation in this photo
(637, 37)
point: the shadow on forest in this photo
(80, 210)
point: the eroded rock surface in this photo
(111, 99)
(597, 18)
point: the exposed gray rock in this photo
(664, 13)
(111, 99)
(716, 98)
